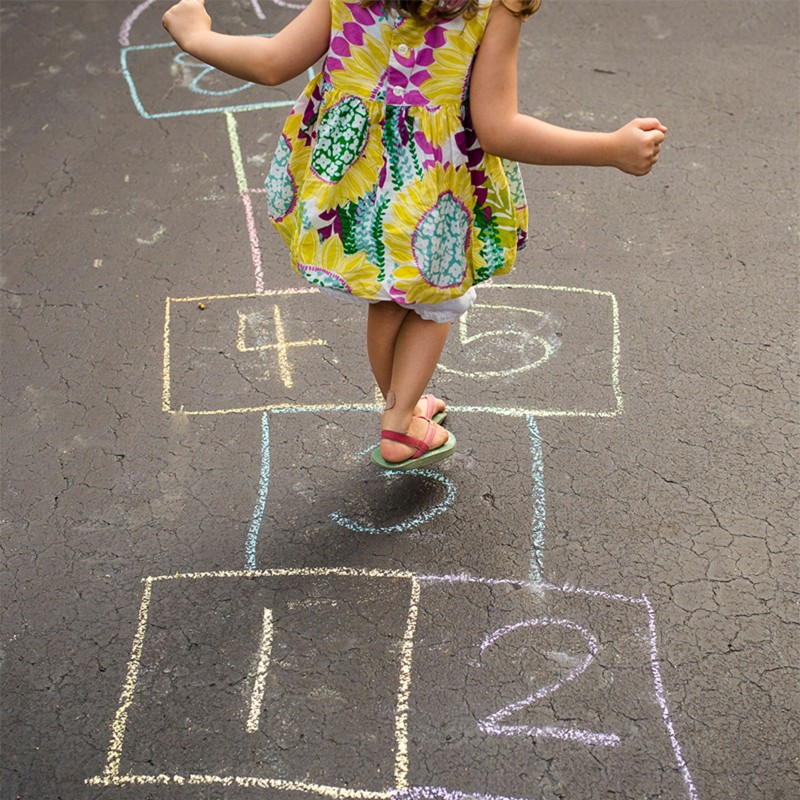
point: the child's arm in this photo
(257, 59)
(502, 130)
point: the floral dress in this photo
(378, 184)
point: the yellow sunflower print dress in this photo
(378, 184)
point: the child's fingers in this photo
(650, 124)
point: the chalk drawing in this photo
(131, 51)
(125, 29)
(441, 793)
(111, 774)
(155, 237)
(465, 340)
(260, 682)
(261, 501)
(493, 723)
(187, 63)
(401, 710)
(244, 194)
(280, 346)
(166, 394)
(408, 524)
(538, 504)
(126, 698)
(683, 767)
(508, 411)
(538, 512)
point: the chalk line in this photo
(120, 722)
(260, 682)
(127, 23)
(404, 691)
(166, 399)
(539, 511)
(236, 151)
(661, 696)
(185, 112)
(261, 501)
(255, 244)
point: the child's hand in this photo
(185, 19)
(636, 145)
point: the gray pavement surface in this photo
(209, 592)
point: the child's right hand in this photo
(635, 146)
(185, 19)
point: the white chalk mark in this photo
(413, 522)
(465, 339)
(661, 696)
(260, 683)
(155, 237)
(335, 792)
(401, 710)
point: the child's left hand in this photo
(185, 19)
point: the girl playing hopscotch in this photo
(395, 181)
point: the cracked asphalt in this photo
(208, 591)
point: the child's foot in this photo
(431, 407)
(422, 430)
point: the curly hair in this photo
(449, 9)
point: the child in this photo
(388, 182)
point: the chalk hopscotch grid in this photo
(314, 408)
(111, 774)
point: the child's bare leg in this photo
(418, 345)
(383, 324)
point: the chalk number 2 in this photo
(495, 724)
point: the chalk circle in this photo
(400, 479)
(548, 347)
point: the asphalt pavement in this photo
(210, 592)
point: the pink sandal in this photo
(423, 455)
(439, 416)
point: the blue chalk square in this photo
(327, 503)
